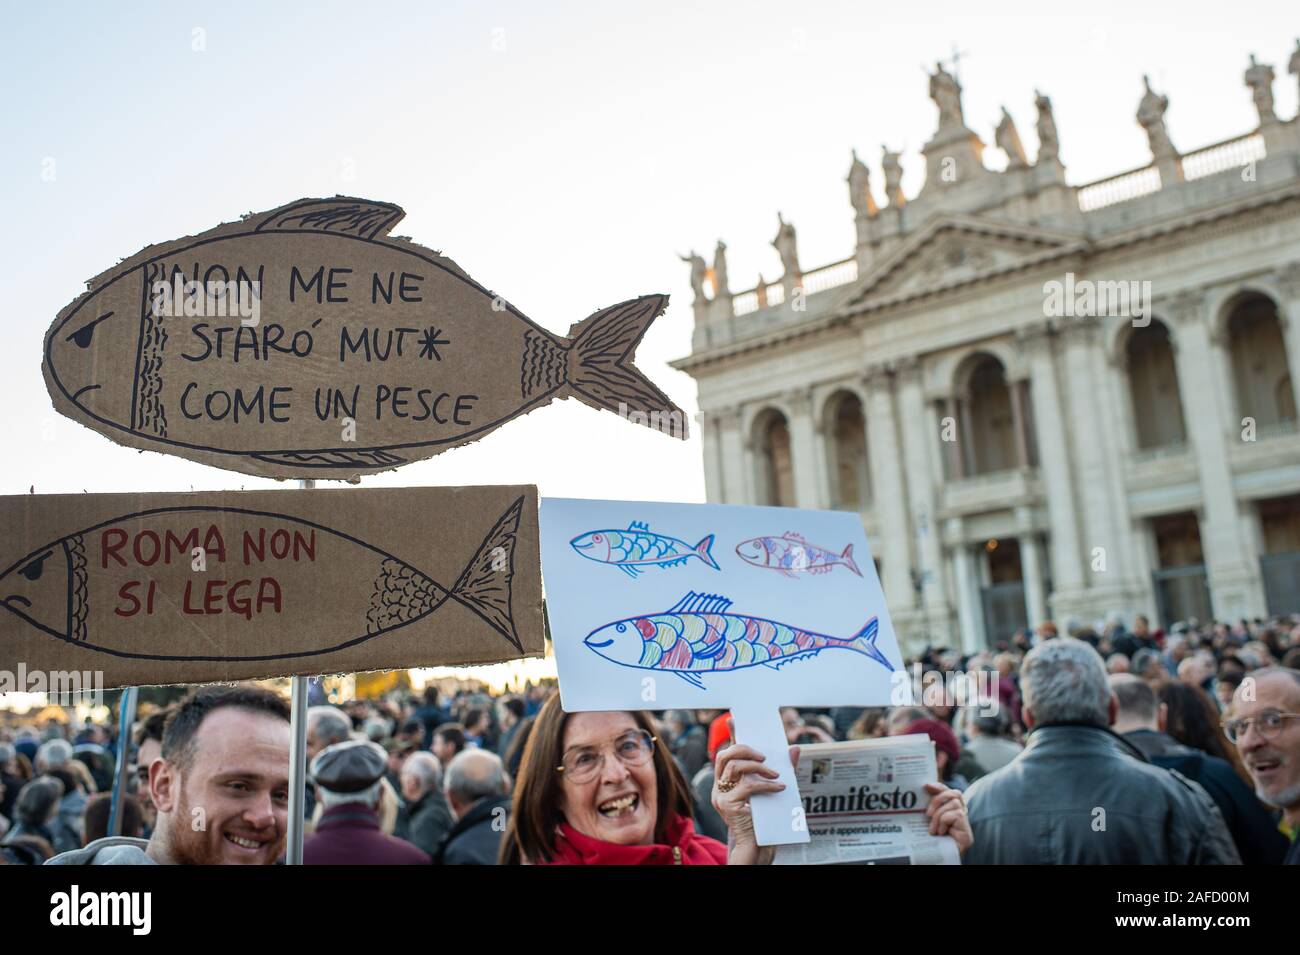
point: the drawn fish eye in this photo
(34, 570)
(597, 539)
(82, 336)
(621, 628)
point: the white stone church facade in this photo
(1046, 401)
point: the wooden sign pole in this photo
(297, 757)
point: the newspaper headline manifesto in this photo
(864, 802)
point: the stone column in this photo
(1018, 423)
(923, 469)
(734, 456)
(1235, 586)
(709, 425)
(888, 485)
(956, 466)
(1101, 521)
(1288, 316)
(1058, 474)
(970, 611)
(803, 448)
(970, 462)
(1031, 570)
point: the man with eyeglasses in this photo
(1264, 722)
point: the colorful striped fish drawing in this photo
(638, 547)
(698, 635)
(791, 553)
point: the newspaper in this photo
(864, 803)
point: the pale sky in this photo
(562, 153)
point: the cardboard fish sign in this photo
(195, 588)
(305, 342)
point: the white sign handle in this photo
(778, 817)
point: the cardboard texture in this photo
(309, 344)
(215, 587)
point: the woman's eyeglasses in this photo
(582, 763)
(1267, 725)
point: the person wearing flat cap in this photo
(348, 777)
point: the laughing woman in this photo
(603, 789)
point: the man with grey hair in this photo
(68, 824)
(53, 754)
(1264, 722)
(478, 790)
(326, 725)
(424, 819)
(349, 779)
(1080, 794)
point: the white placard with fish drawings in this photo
(661, 606)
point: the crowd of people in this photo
(1095, 745)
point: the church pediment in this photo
(954, 251)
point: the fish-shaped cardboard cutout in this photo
(305, 342)
(196, 588)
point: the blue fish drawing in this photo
(699, 635)
(637, 547)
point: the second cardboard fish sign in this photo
(306, 342)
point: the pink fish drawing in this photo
(791, 554)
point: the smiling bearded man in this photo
(1264, 722)
(221, 787)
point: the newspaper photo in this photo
(864, 803)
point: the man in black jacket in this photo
(424, 820)
(1080, 794)
(478, 791)
(1141, 720)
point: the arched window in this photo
(1259, 366)
(846, 428)
(776, 467)
(1153, 387)
(992, 420)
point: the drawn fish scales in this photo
(700, 635)
(353, 326)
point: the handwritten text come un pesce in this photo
(244, 597)
(271, 341)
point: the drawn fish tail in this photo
(484, 585)
(596, 366)
(847, 560)
(704, 549)
(864, 642)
